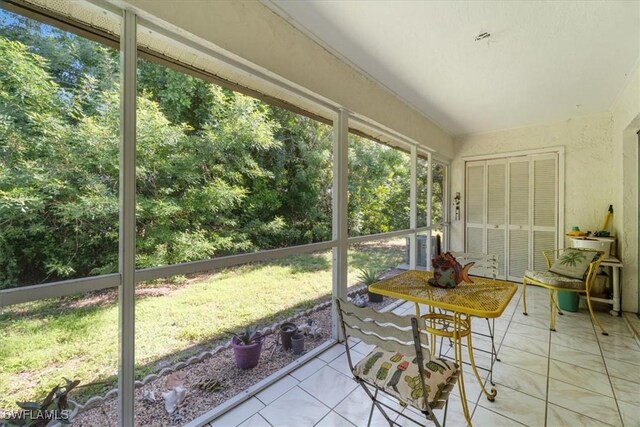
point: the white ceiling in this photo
(544, 61)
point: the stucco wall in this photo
(253, 32)
(591, 171)
(626, 122)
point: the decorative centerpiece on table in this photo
(447, 272)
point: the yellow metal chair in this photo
(555, 282)
(397, 366)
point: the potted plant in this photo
(369, 276)
(297, 342)
(287, 330)
(247, 347)
(55, 407)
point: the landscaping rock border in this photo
(97, 401)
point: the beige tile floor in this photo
(572, 377)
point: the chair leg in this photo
(552, 312)
(374, 398)
(555, 301)
(444, 417)
(524, 295)
(373, 405)
(593, 316)
(432, 417)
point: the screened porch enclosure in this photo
(152, 171)
(178, 176)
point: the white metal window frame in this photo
(127, 277)
(446, 221)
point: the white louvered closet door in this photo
(518, 213)
(512, 211)
(545, 207)
(475, 207)
(497, 213)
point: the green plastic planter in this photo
(568, 301)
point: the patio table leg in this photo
(432, 323)
(491, 396)
(457, 347)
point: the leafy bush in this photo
(218, 173)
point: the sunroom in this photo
(177, 176)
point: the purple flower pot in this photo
(247, 356)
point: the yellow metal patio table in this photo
(486, 298)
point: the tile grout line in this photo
(477, 401)
(597, 334)
(332, 411)
(546, 408)
(503, 416)
(265, 420)
(606, 369)
(267, 404)
(546, 400)
(500, 346)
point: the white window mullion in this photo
(507, 232)
(413, 208)
(429, 217)
(340, 213)
(127, 227)
(446, 206)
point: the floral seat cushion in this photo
(554, 279)
(397, 374)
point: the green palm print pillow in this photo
(574, 263)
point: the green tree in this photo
(55, 194)
(218, 172)
(379, 188)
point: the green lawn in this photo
(77, 337)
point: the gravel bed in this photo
(220, 367)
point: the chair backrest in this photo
(486, 265)
(552, 255)
(388, 331)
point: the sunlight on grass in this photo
(77, 337)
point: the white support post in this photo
(413, 208)
(429, 201)
(340, 207)
(127, 249)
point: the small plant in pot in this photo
(369, 276)
(54, 408)
(247, 347)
